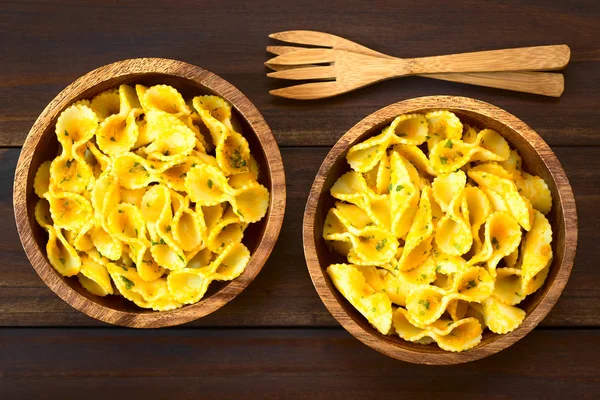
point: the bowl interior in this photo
(48, 147)
(532, 163)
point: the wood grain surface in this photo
(249, 347)
(272, 364)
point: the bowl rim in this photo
(566, 199)
(274, 217)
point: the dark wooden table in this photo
(276, 339)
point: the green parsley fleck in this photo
(62, 260)
(112, 139)
(443, 160)
(471, 284)
(373, 309)
(448, 144)
(127, 282)
(381, 244)
(423, 276)
(424, 303)
(181, 257)
(237, 160)
(209, 183)
(66, 133)
(495, 243)
(399, 187)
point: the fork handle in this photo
(544, 83)
(521, 59)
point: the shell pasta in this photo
(149, 196)
(443, 232)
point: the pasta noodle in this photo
(135, 206)
(443, 231)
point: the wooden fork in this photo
(357, 66)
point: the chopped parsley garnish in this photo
(381, 244)
(424, 303)
(112, 139)
(209, 183)
(443, 160)
(237, 160)
(471, 284)
(66, 133)
(127, 282)
(399, 187)
(495, 243)
(448, 144)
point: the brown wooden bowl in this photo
(41, 145)
(538, 159)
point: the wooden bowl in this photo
(538, 159)
(41, 145)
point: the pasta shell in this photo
(105, 104)
(61, 255)
(450, 335)
(375, 307)
(404, 195)
(410, 129)
(442, 125)
(499, 317)
(420, 235)
(119, 133)
(94, 277)
(69, 211)
(163, 98)
(537, 254)
(364, 156)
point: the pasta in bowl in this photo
(440, 230)
(144, 195)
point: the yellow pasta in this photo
(443, 231)
(134, 205)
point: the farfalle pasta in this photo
(136, 206)
(443, 232)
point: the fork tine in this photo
(276, 67)
(305, 73)
(310, 91)
(307, 56)
(279, 50)
(306, 37)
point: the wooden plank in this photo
(33, 72)
(282, 294)
(281, 363)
